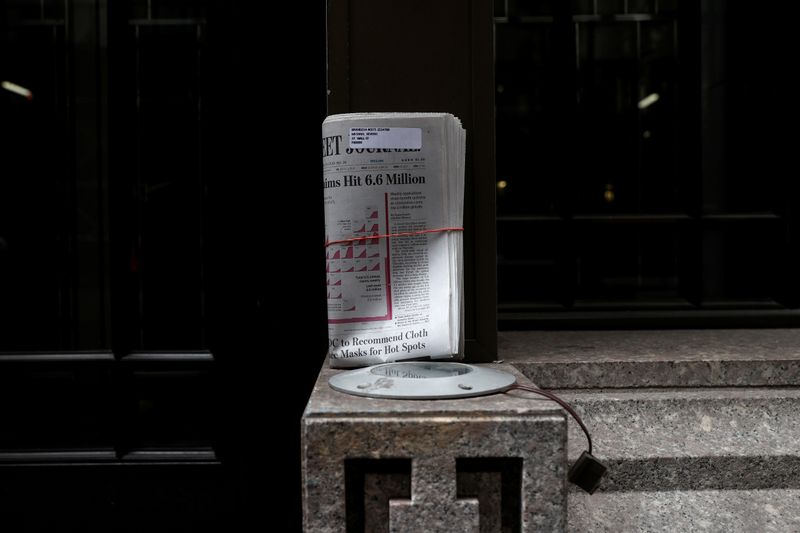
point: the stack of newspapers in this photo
(394, 208)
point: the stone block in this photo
(474, 464)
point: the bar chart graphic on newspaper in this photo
(358, 271)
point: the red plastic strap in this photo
(403, 234)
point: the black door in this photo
(161, 309)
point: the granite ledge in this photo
(663, 358)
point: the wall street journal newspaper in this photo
(394, 197)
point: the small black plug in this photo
(587, 472)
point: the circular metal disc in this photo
(417, 380)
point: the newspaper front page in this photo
(393, 297)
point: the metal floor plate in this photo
(422, 381)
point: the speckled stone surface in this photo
(735, 422)
(433, 505)
(487, 485)
(664, 358)
(690, 459)
(708, 511)
(691, 439)
(433, 434)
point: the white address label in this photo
(378, 137)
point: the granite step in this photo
(711, 511)
(700, 428)
(691, 439)
(714, 459)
